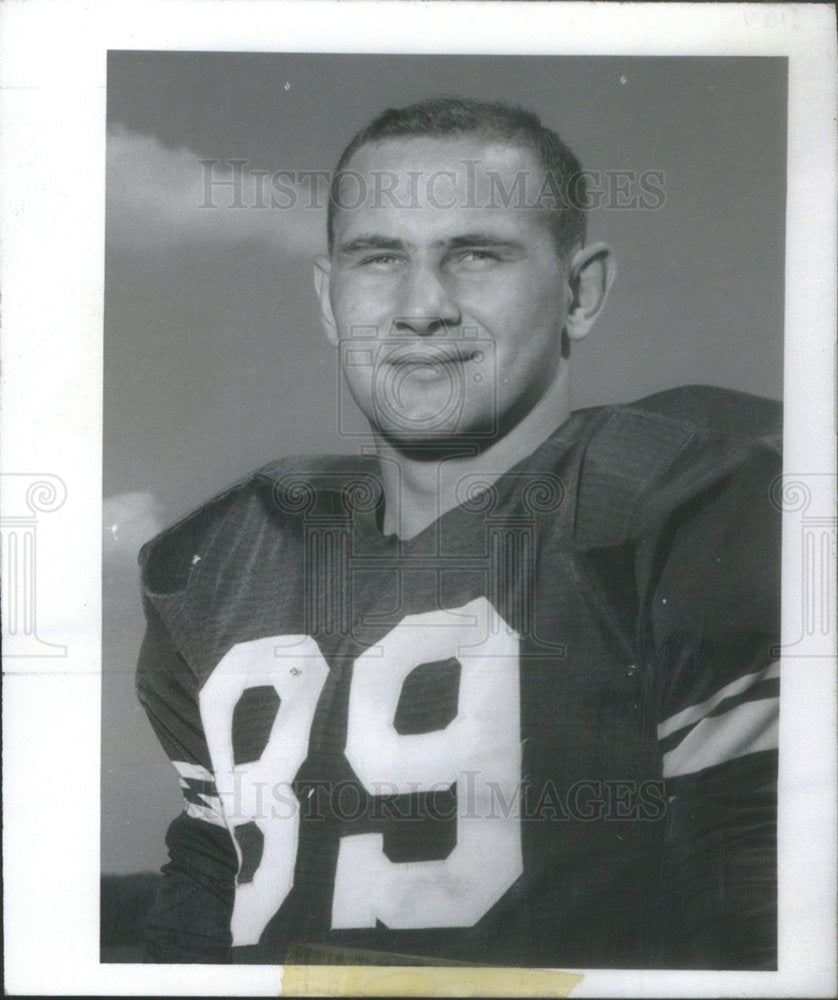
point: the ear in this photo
(590, 275)
(322, 274)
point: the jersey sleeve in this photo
(713, 640)
(190, 918)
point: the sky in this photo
(215, 361)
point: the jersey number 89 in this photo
(482, 743)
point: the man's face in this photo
(444, 291)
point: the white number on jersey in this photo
(479, 751)
(294, 666)
(482, 744)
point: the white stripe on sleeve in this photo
(747, 728)
(697, 712)
(209, 809)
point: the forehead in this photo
(445, 183)
(430, 153)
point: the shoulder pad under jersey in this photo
(278, 492)
(644, 458)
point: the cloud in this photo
(129, 520)
(159, 198)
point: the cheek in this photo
(522, 326)
(358, 304)
(358, 379)
(512, 306)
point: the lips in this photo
(431, 357)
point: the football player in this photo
(504, 691)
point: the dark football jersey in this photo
(541, 732)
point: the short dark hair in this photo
(492, 120)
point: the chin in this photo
(464, 438)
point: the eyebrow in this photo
(373, 242)
(483, 240)
(361, 243)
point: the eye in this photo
(477, 260)
(382, 262)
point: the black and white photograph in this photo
(532, 640)
(450, 560)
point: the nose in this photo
(428, 306)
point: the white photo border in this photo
(52, 80)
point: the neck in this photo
(422, 485)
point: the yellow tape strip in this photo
(424, 981)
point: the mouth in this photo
(432, 358)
